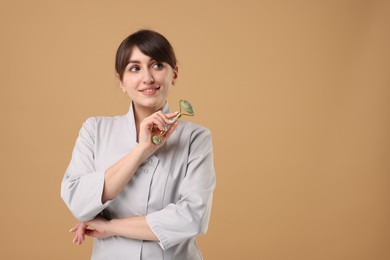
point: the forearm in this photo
(133, 227)
(120, 173)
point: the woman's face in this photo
(146, 81)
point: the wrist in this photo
(142, 152)
(111, 227)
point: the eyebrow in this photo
(139, 62)
(133, 61)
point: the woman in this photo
(139, 200)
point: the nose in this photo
(148, 77)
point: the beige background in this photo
(296, 94)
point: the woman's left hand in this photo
(98, 228)
(79, 231)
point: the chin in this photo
(152, 104)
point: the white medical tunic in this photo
(173, 188)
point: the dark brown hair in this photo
(150, 43)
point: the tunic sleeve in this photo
(82, 186)
(190, 215)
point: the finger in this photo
(76, 237)
(91, 233)
(168, 133)
(76, 240)
(73, 229)
(79, 242)
(167, 118)
(97, 234)
(171, 115)
(153, 121)
(170, 118)
(161, 121)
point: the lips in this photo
(149, 91)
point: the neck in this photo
(140, 113)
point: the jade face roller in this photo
(189, 111)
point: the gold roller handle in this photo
(187, 107)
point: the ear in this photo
(175, 75)
(120, 83)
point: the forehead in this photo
(138, 56)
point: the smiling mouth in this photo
(150, 90)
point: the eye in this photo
(158, 65)
(134, 68)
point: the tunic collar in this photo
(131, 120)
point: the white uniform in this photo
(173, 188)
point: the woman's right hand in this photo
(154, 125)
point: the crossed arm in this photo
(133, 227)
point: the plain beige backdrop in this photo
(296, 94)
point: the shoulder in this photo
(194, 128)
(195, 132)
(99, 121)
(95, 124)
(197, 139)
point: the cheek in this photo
(166, 78)
(130, 82)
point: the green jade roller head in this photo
(188, 111)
